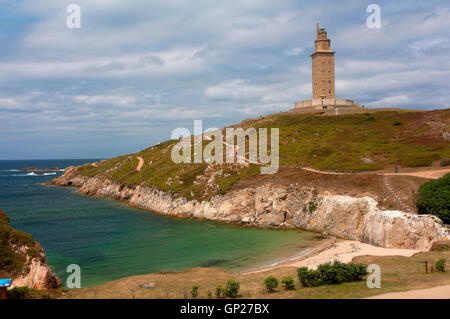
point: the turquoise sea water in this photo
(110, 240)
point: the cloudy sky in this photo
(138, 69)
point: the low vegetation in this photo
(288, 283)
(271, 283)
(232, 289)
(331, 274)
(219, 291)
(194, 291)
(434, 198)
(28, 293)
(12, 262)
(440, 265)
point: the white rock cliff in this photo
(280, 206)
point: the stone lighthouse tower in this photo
(323, 67)
(323, 83)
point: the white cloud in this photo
(137, 65)
(122, 101)
(294, 51)
(237, 89)
(392, 101)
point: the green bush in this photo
(309, 278)
(19, 293)
(11, 263)
(330, 274)
(434, 198)
(209, 295)
(232, 289)
(21, 238)
(397, 123)
(288, 283)
(194, 291)
(219, 291)
(31, 252)
(440, 265)
(271, 283)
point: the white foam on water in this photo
(34, 174)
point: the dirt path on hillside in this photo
(425, 174)
(439, 292)
(141, 162)
(327, 172)
(431, 174)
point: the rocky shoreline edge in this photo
(25, 258)
(279, 206)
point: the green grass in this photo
(354, 142)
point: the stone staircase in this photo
(387, 185)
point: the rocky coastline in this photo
(279, 206)
(24, 260)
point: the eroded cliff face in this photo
(36, 273)
(23, 259)
(280, 206)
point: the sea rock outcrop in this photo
(280, 206)
(37, 274)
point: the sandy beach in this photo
(336, 249)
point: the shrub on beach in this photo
(194, 291)
(271, 283)
(219, 291)
(309, 278)
(329, 274)
(232, 289)
(288, 283)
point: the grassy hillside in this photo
(353, 142)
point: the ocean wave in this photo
(34, 174)
(36, 170)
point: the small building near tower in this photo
(323, 77)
